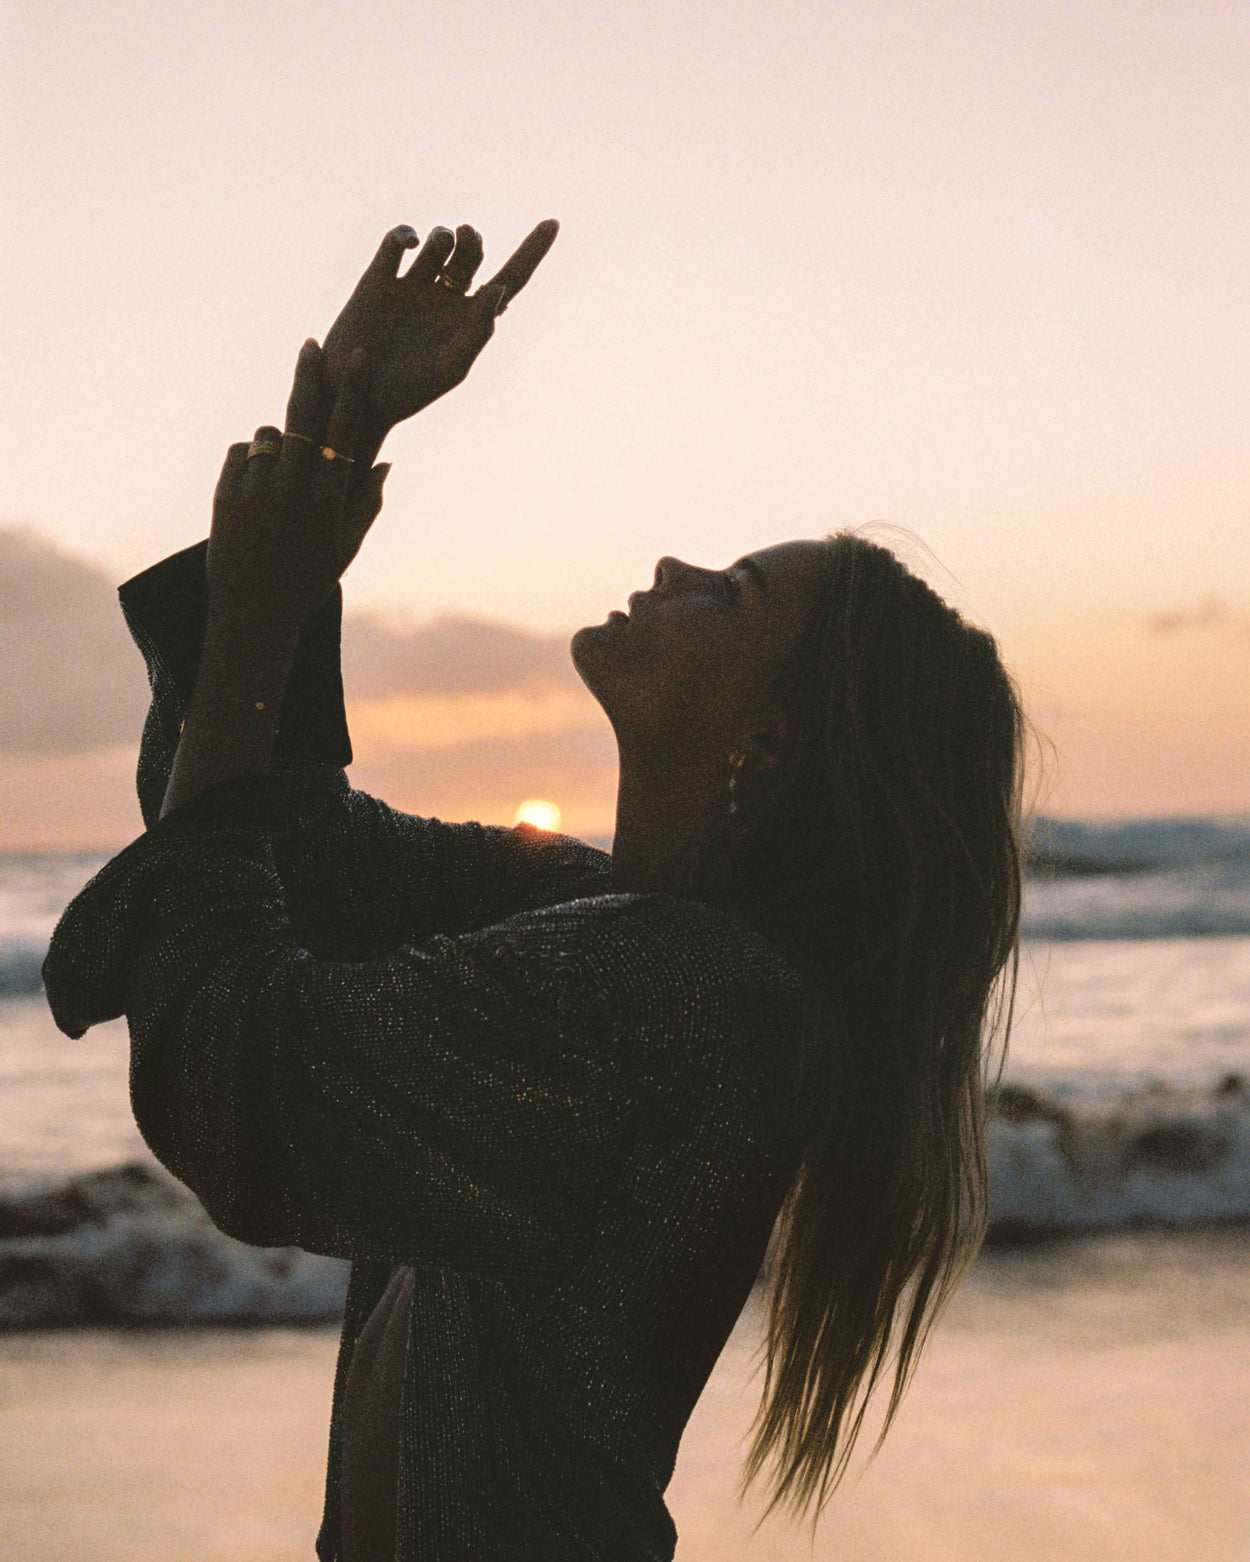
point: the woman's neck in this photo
(665, 813)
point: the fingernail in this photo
(406, 234)
(310, 345)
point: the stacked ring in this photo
(456, 287)
(336, 455)
(263, 447)
(307, 438)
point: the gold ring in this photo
(456, 287)
(263, 447)
(336, 455)
(307, 438)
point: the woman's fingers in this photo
(347, 414)
(299, 443)
(385, 263)
(493, 297)
(459, 254)
(464, 260)
(232, 469)
(338, 524)
(346, 422)
(261, 460)
(265, 451)
(438, 245)
(524, 260)
(305, 397)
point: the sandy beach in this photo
(1084, 1403)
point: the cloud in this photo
(1210, 613)
(460, 717)
(456, 683)
(450, 655)
(70, 678)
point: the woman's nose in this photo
(667, 571)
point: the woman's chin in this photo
(594, 634)
(583, 644)
(595, 647)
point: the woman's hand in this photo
(423, 334)
(288, 520)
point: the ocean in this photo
(1124, 1103)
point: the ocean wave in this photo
(1157, 1155)
(130, 1245)
(1058, 847)
(21, 966)
(1205, 900)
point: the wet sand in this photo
(1084, 1403)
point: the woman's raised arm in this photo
(284, 530)
(361, 877)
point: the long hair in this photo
(885, 860)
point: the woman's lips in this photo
(633, 602)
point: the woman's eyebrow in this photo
(751, 568)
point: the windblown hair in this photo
(885, 859)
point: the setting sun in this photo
(538, 811)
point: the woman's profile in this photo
(561, 1108)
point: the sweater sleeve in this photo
(166, 611)
(423, 1106)
(360, 877)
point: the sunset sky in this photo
(980, 271)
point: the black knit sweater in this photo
(400, 1041)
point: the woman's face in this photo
(698, 658)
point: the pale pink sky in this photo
(979, 270)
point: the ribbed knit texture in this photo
(399, 1041)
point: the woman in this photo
(551, 1104)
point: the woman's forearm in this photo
(233, 715)
(284, 530)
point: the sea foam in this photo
(130, 1245)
